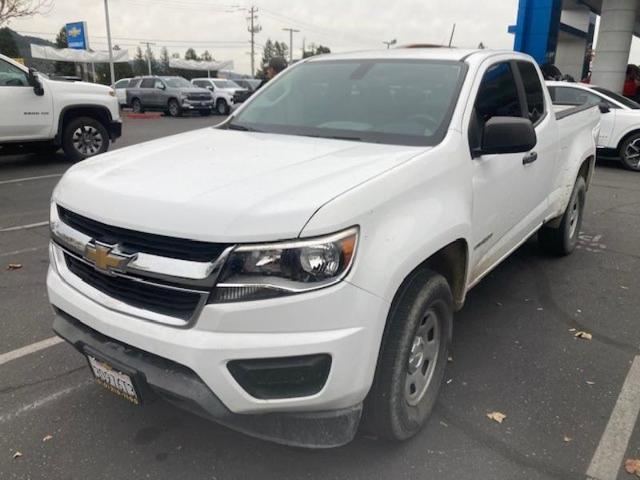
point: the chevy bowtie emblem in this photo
(104, 258)
(74, 31)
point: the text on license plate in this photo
(113, 380)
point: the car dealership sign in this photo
(77, 36)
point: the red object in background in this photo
(630, 88)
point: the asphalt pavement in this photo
(514, 352)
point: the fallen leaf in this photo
(496, 416)
(14, 266)
(589, 382)
(583, 335)
(47, 438)
(632, 466)
(567, 439)
(449, 358)
(572, 329)
(17, 455)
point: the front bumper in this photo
(197, 105)
(342, 321)
(115, 130)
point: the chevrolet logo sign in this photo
(74, 31)
(104, 258)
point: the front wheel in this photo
(136, 106)
(563, 239)
(174, 108)
(222, 108)
(84, 137)
(412, 358)
(630, 152)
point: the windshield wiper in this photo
(242, 128)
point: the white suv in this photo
(223, 91)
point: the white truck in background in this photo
(40, 114)
(296, 269)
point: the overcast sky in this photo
(342, 25)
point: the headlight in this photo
(255, 272)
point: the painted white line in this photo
(24, 227)
(29, 349)
(41, 402)
(25, 250)
(607, 461)
(26, 179)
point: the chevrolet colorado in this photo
(39, 114)
(295, 269)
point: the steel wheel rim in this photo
(423, 355)
(137, 107)
(632, 154)
(221, 108)
(87, 140)
(173, 109)
(574, 216)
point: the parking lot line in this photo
(34, 347)
(24, 250)
(607, 461)
(26, 179)
(24, 227)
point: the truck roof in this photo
(416, 53)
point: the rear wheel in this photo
(84, 137)
(174, 108)
(630, 152)
(563, 239)
(136, 106)
(221, 107)
(412, 358)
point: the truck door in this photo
(25, 115)
(159, 97)
(502, 198)
(147, 91)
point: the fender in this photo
(103, 110)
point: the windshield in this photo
(627, 102)
(225, 84)
(177, 82)
(406, 102)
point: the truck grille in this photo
(156, 298)
(199, 97)
(131, 241)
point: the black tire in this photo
(205, 113)
(174, 108)
(222, 108)
(136, 106)
(84, 137)
(392, 410)
(563, 239)
(630, 152)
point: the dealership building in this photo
(562, 32)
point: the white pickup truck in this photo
(297, 268)
(40, 114)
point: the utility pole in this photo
(148, 44)
(453, 30)
(253, 29)
(390, 42)
(111, 69)
(291, 32)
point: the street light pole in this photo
(291, 32)
(111, 69)
(148, 55)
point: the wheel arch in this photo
(98, 112)
(624, 137)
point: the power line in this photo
(253, 29)
(291, 32)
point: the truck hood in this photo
(63, 86)
(221, 185)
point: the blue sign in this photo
(77, 35)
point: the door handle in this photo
(529, 158)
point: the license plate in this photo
(113, 380)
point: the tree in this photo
(10, 9)
(319, 50)
(63, 68)
(281, 50)
(139, 63)
(8, 44)
(191, 54)
(163, 64)
(206, 56)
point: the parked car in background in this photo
(620, 126)
(297, 267)
(173, 95)
(40, 114)
(250, 84)
(223, 91)
(121, 90)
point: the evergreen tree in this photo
(139, 63)
(281, 50)
(267, 54)
(206, 56)
(191, 54)
(8, 44)
(163, 66)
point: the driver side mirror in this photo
(35, 82)
(508, 135)
(604, 107)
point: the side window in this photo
(147, 83)
(533, 90)
(158, 83)
(498, 94)
(11, 76)
(573, 96)
(122, 84)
